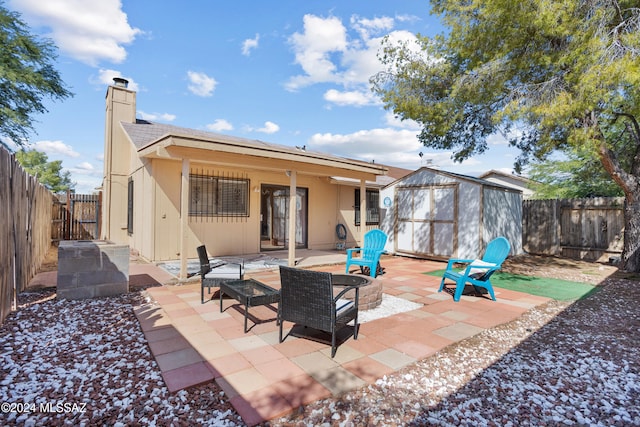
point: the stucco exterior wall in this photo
(346, 215)
(156, 231)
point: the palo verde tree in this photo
(27, 76)
(549, 75)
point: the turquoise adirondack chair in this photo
(477, 272)
(371, 251)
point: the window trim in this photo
(373, 207)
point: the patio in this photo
(194, 343)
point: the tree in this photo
(26, 77)
(49, 174)
(579, 174)
(549, 75)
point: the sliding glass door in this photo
(274, 217)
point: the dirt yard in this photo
(559, 268)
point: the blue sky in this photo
(286, 72)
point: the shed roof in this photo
(467, 178)
(495, 173)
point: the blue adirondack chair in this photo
(370, 252)
(478, 271)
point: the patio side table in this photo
(249, 292)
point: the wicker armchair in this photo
(212, 273)
(306, 298)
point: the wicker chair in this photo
(212, 273)
(306, 298)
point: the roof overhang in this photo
(258, 156)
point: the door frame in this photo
(267, 211)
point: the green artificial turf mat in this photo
(561, 290)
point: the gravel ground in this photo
(87, 363)
(559, 364)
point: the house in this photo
(431, 213)
(168, 189)
(518, 182)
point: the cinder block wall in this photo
(90, 269)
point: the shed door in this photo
(426, 220)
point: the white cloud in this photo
(249, 44)
(407, 18)
(89, 31)
(55, 147)
(86, 176)
(388, 146)
(161, 117)
(220, 125)
(269, 127)
(201, 84)
(365, 27)
(105, 77)
(391, 120)
(329, 52)
(86, 184)
(382, 141)
(313, 49)
(84, 167)
(354, 98)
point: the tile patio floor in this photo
(194, 343)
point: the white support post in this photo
(184, 219)
(293, 213)
(363, 210)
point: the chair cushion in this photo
(227, 271)
(343, 305)
(477, 273)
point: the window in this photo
(217, 196)
(130, 207)
(373, 207)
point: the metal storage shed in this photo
(436, 214)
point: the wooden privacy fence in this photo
(25, 229)
(588, 229)
(76, 217)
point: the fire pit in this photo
(370, 289)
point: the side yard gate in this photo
(588, 229)
(75, 217)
